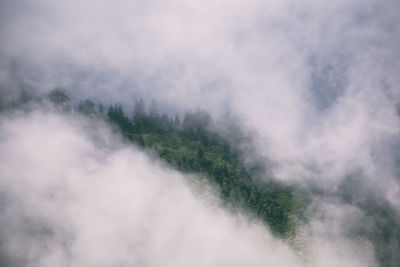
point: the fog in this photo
(316, 84)
(71, 196)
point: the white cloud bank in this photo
(68, 199)
(318, 81)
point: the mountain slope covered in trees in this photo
(193, 145)
(189, 144)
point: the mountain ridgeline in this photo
(190, 145)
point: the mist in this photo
(318, 83)
(315, 84)
(71, 196)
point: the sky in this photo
(316, 83)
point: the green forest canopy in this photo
(190, 145)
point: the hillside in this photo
(194, 145)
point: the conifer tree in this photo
(139, 116)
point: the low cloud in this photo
(70, 199)
(316, 83)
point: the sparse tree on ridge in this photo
(101, 108)
(57, 96)
(87, 107)
(139, 116)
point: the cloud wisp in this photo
(317, 83)
(68, 199)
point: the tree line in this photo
(190, 146)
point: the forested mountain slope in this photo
(192, 144)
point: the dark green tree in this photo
(139, 116)
(101, 108)
(87, 107)
(57, 96)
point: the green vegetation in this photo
(380, 222)
(191, 147)
(383, 229)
